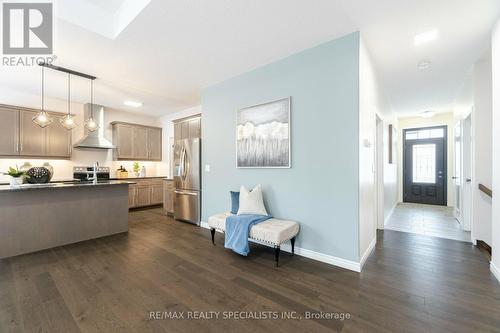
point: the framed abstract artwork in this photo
(263, 135)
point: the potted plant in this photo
(136, 168)
(16, 176)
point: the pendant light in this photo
(91, 124)
(42, 118)
(68, 120)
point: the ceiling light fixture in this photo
(42, 118)
(91, 124)
(424, 64)
(425, 37)
(427, 114)
(133, 104)
(68, 120)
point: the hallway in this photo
(429, 220)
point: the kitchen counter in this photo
(136, 178)
(38, 217)
(61, 185)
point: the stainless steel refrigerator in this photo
(187, 179)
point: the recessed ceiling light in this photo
(424, 64)
(427, 114)
(425, 37)
(133, 104)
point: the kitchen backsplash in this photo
(63, 169)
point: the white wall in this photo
(372, 102)
(482, 149)
(495, 241)
(63, 169)
(168, 133)
(439, 119)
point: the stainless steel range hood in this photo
(96, 139)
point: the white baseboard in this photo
(335, 261)
(494, 269)
(390, 213)
(367, 253)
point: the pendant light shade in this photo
(91, 124)
(42, 118)
(68, 120)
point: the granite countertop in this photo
(60, 185)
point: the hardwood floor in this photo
(411, 283)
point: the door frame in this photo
(445, 159)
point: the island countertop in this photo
(62, 185)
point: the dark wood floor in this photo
(411, 283)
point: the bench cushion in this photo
(272, 231)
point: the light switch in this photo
(207, 167)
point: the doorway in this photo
(425, 165)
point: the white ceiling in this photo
(173, 49)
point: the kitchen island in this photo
(42, 216)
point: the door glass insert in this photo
(421, 134)
(424, 163)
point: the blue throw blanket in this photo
(238, 229)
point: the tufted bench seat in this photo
(273, 232)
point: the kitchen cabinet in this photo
(123, 139)
(9, 131)
(20, 136)
(157, 193)
(187, 128)
(146, 192)
(168, 196)
(58, 142)
(32, 137)
(154, 144)
(141, 151)
(137, 142)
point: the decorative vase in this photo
(16, 181)
(50, 168)
(38, 175)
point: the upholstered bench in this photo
(273, 232)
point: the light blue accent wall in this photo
(320, 190)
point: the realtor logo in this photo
(27, 28)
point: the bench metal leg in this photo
(212, 231)
(293, 245)
(277, 255)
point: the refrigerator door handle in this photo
(184, 167)
(186, 193)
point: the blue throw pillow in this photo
(235, 202)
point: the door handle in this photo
(468, 180)
(186, 193)
(454, 177)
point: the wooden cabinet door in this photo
(143, 196)
(168, 197)
(124, 141)
(154, 143)
(177, 131)
(141, 143)
(184, 130)
(32, 137)
(194, 128)
(9, 131)
(157, 194)
(58, 140)
(132, 190)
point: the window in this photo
(430, 133)
(424, 163)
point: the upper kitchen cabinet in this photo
(19, 136)
(9, 131)
(32, 141)
(137, 142)
(187, 128)
(58, 142)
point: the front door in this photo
(424, 165)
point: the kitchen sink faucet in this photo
(94, 172)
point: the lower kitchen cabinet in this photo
(168, 196)
(145, 192)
